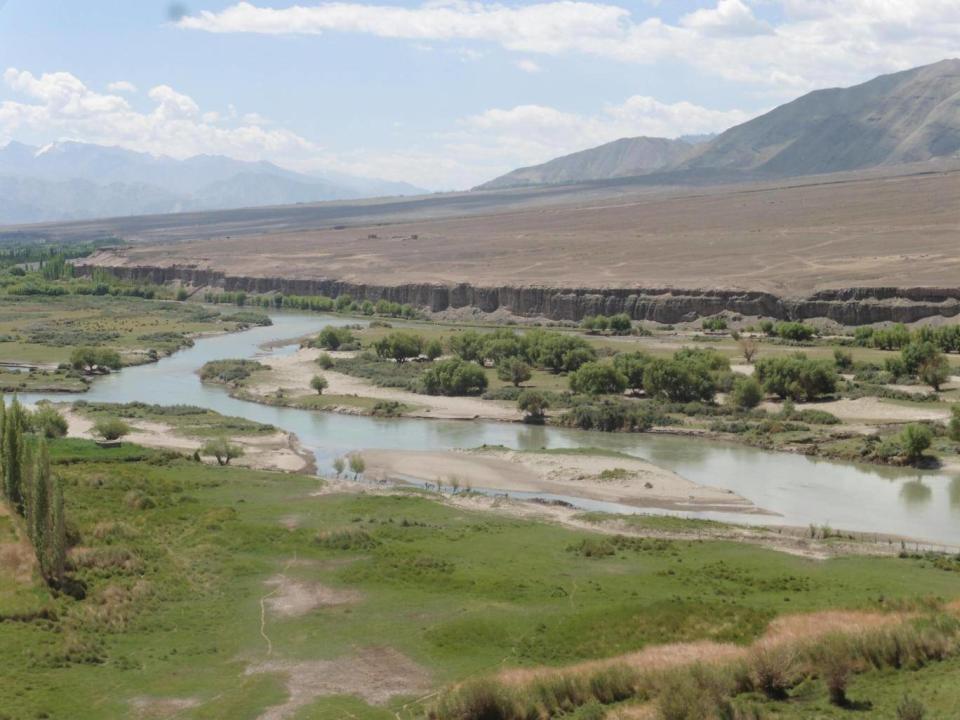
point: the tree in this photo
(357, 465)
(467, 345)
(620, 324)
(454, 376)
(917, 354)
(399, 346)
(221, 449)
(594, 378)
(953, 428)
(319, 383)
(915, 438)
(682, 379)
(332, 337)
(13, 456)
(90, 359)
(57, 539)
(338, 465)
(746, 392)
(48, 422)
(797, 377)
(935, 371)
(38, 509)
(748, 348)
(514, 370)
(534, 404)
(111, 428)
(632, 366)
(433, 349)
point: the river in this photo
(801, 490)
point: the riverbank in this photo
(609, 477)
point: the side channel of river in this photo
(801, 490)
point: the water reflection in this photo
(914, 492)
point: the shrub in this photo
(795, 331)
(111, 428)
(331, 338)
(319, 383)
(433, 349)
(594, 378)
(221, 449)
(910, 709)
(766, 327)
(325, 361)
(746, 393)
(48, 422)
(714, 323)
(934, 371)
(454, 377)
(953, 428)
(748, 348)
(357, 465)
(632, 366)
(620, 324)
(914, 439)
(797, 377)
(399, 346)
(467, 345)
(558, 352)
(772, 670)
(534, 404)
(679, 380)
(843, 359)
(514, 371)
(89, 359)
(229, 371)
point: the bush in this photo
(399, 346)
(620, 324)
(325, 361)
(433, 349)
(454, 377)
(48, 422)
(914, 439)
(910, 709)
(679, 380)
(843, 359)
(319, 383)
(534, 404)
(953, 428)
(89, 359)
(514, 371)
(632, 365)
(111, 428)
(229, 371)
(714, 323)
(795, 331)
(934, 372)
(467, 345)
(331, 338)
(746, 393)
(797, 377)
(594, 378)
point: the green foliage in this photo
(935, 371)
(467, 345)
(399, 346)
(797, 377)
(48, 422)
(714, 324)
(433, 349)
(680, 379)
(357, 465)
(229, 372)
(917, 354)
(454, 377)
(953, 428)
(514, 371)
(339, 464)
(14, 456)
(632, 366)
(111, 428)
(843, 359)
(222, 449)
(795, 331)
(909, 708)
(620, 324)
(595, 378)
(319, 383)
(746, 393)
(325, 361)
(915, 439)
(534, 403)
(89, 359)
(334, 338)
(613, 415)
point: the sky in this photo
(444, 94)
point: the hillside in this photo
(905, 117)
(626, 157)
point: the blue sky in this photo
(442, 94)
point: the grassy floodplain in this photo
(179, 560)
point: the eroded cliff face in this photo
(852, 306)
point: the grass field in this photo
(177, 558)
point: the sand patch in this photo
(871, 408)
(292, 598)
(276, 451)
(614, 479)
(374, 674)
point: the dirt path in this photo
(293, 373)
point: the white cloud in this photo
(528, 66)
(819, 42)
(122, 86)
(59, 105)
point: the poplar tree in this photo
(38, 506)
(57, 538)
(13, 456)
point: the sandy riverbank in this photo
(292, 374)
(277, 451)
(604, 478)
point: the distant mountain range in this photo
(72, 181)
(908, 116)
